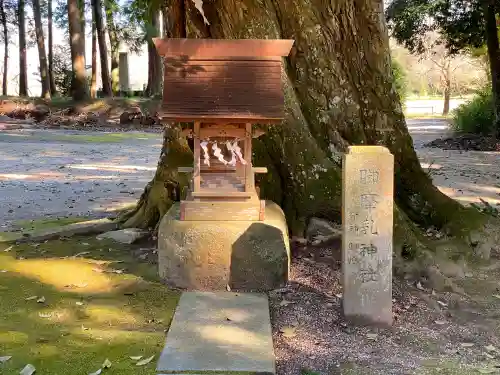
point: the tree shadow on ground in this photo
(86, 312)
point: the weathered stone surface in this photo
(126, 236)
(209, 255)
(320, 230)
(219, 332)
(367, 212)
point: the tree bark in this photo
(338, 92)
(53, 89)
(154, 60)
(79, 86)
(103, 49)
(115, 46)
(23, 75)
(3, 20)
(42, 56)
(494, 59)
(81, 6)
(446, 97)
(93, 79)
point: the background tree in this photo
(50, 32)
(103, 49)
(3, 21)
(110, 8)
(79, 86)
(93, 78)
(42, 56)
(463, 24)
(339, 92)
(23, 70)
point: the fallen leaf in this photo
(5, 358)
(490, 348)
(135, 357)
(440, 322)
(41, 299)
(488, 355)
(285, 303)
(84, 328)
(82, 253)
(288, 332)
(419, 286)
(228, 288)
(496, 296)
(3, 271)
(9, 249)
(85, 244)
(28, 370)
(106, 363)
(486, 370)
(97, 372)
(31, 298)
(145, 361)
(43, 315)
(444, 304)
(339, 295)
(78, 303)
(371, 336)
(467, 344)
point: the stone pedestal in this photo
(367, 222)
(210, 255)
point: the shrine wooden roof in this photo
(223, 80)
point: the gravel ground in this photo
(428, 336)
(54, 173)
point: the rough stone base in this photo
(210, 255)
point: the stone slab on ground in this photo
(125, 236)
(219, 331)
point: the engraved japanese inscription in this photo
(367, 218)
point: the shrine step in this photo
(219, 332)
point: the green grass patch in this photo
(475, 116)
(99, 302)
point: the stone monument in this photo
(367, 223)
(222, 235)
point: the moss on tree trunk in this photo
(339, 91)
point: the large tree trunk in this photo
(53, 89)
(154, 61)
(93, 79)
(23, 75)
(338, 92)
(3, 20)
(42, 56)
(494, 59)
(115, 46)
(79, 86)
(103, 49)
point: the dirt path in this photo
(467, 176)
(49, 173)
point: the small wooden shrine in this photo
(222, 87)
